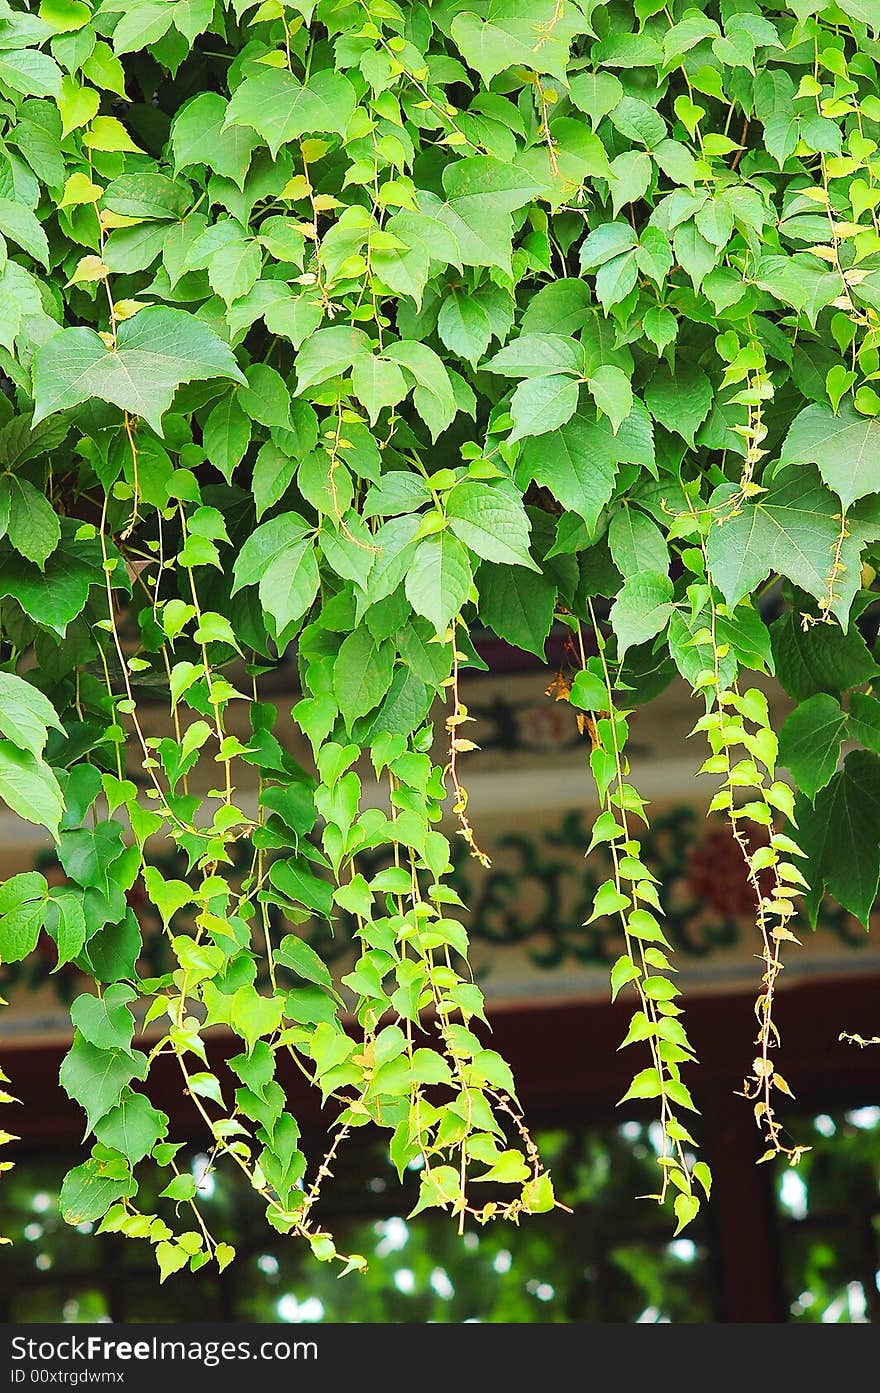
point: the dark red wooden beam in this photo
(565, 1058)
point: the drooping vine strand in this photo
(727, 728)
(631, 896)
(459, 745)
(744, 754)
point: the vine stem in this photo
(457, 746)
(647, 1005)
(760, 1084)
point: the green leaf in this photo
(819, 658)
(642, 609)
(89, 1190)
(636, 543)
(610, 389)
(439, 579)
(33, 527)
(792, 529)
(23, 913)
(680, 400)
(95, 1078)
(491, 520)
(290, 585)
(588, 691)
(579, 462)
(30, 72)
(234, 267)
(66, 924)
(149, 196)
(88, 853)
(266, 398)
(105, 1021)
(133, 1127)
(279, 557)
(433, 397)
(404, 708)
(26, 715)
(377, 383)
(481, 193)
(542, 404)
(840, 835)
(845, 447)
(29, 787)
(693, 659)
(328, 353)
(798, 281)
(20, 225)
(142, 25)
(616, 279)
(517, 605)
(20, 889)
(300, 886)
(809, 742)
(864, 721)
(296, 954)
(361, 673)
(537, 39)
(538, 355)
(464, 326)
(281, 109)
(226, 434)
(157, 351)
(198, 138)
(606, 243)
(274, 471)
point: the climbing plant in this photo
(329, 334)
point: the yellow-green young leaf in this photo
(79, 188)
(680, 1095)
(608, 900)
(182, 1187)
(642, 925)
(171, 1258)
(686, 1209)
(646, 1084)
(703, 1176)
(167, 895)
(108, 133)
(224, 1254)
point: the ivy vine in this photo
(332, 333)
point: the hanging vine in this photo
(334, 336)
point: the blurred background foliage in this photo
(612, 1260)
